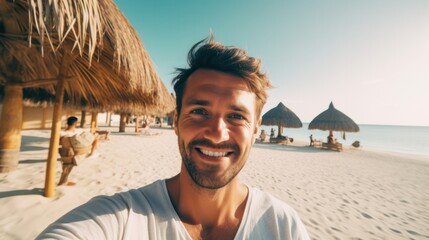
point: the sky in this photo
(369, 57)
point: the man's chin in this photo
(211, 185)
(208, 181)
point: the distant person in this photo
(272, 135)
(145, 124)
(263, 135)
(311, 140)
(170, 121)
(72, 130)
(331, 139)
(218, 114)
(69, 152)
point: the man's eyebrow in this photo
(239, 108)
(197, 102)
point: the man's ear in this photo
(176, 121)
(255, 133)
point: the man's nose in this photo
(217, 131)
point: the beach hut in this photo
(333, 120)
(83, 53)
(282, 117)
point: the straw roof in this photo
(333, 120)
(33, 99)
(283, 116)
(107, 63)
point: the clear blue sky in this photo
(370, 57)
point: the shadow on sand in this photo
(124, 133)
(288, 148)
(34, 191)
(32, 161)
(27, 143)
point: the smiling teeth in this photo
(213, 154)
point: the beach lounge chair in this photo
(68, 155)
(281, 140)
(333, 146)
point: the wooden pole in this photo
(82, 119)
(55, 129)
(94, 116)
(137, 123)
(110, 119)
(45, 114)
(122, 122)
(107, 117)
(280, 131)
(128, 119)
(10, 128)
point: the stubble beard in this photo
(204, 179)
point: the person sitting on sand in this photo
(219, 99)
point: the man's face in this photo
(216, 127)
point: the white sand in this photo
(356, 194)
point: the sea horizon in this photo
(408, 139)
(391, 138)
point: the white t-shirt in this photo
(71, 133)
(147, 213)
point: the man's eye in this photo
(237, 116)
(199, 111)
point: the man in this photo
(219, 102)
(71, 155)
(72, 130)
(311, 141)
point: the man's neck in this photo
(205, 211)
(71, 129)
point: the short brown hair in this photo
(209, 54)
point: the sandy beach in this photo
(355, 194)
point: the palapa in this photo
(82, 50)
(333, 120)
(282, 117)
(114, 69)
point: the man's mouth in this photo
(214, 153)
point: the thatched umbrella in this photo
(281, 116)
(49, 46)
(333, 120)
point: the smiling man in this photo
(219, 101)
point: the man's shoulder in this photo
(110, 217)
(147, 193)
(265, 200)
(272, 218)
(70, 133)
(134, 200)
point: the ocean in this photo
(401, 139)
